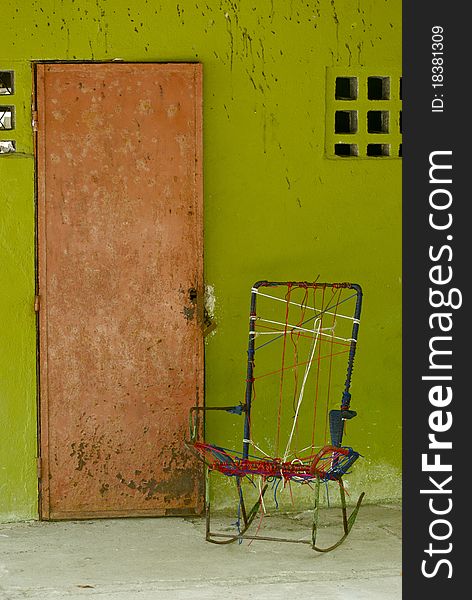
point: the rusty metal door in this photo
(120, 269)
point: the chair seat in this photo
(330, 463)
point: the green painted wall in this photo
(275, 206)
(18, 448)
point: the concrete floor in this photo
(168, 559)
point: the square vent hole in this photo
(7, 146)
(346, 149)
(378, 121)
(378, 149)
(6, 117)
(378, 88)
(6, 83)
(346, 88)
(345, 121)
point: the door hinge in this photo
(34, 121)
(36, 303)
(39, 467)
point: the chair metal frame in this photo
(336, 419)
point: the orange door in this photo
(120, 265)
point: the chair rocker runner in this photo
(305, 336)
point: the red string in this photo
(295, 354)
(305, 335)
(312, 466)
(322, 379)
(318, 365)
(299, 365)
(287, 308)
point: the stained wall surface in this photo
(278, 204)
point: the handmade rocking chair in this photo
(305, 336)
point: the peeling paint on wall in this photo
(210, 300)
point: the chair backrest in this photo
(302, 343)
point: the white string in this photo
(304, 449)
(281, 333)
(256, 447)
(325, 312)
(296, 327)
(302, 389)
